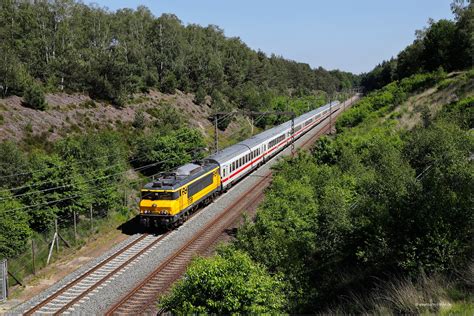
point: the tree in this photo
(14, 230)
(69, 46)
(157, 152)
(14, 167)
(438, 46)
(34, 97)
(228, 283)
(101, 159)
(56, 188)
(200, 96)
(169, 83)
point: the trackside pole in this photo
(51, 248)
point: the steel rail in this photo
(83, 276)
(142, 298)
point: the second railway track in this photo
(76, 290)
(143, 297)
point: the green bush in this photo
(169, 83)
(139, 121)
(461, 112)
(200, 96)
(228, 283)
(14, 229)
(167, 150)
(34, 97)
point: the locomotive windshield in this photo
(150, 195)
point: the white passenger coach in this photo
(240, 159)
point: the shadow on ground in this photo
(132, 227)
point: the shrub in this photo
(200, 96)
(169, 84)
(229, 283)
(14, 230)
(139, 121)
(34, 97)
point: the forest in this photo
(370, 216)
(68, 47)
(376, 219)
(444, 44)
(65, 45)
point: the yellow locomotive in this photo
(172, 197)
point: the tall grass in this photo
(426, 295)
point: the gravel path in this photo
(99, 300)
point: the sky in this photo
(350, 35)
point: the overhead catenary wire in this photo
(70, 177)
(75, 196)
(90, 180)
(52, 168)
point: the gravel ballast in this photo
(102, 298)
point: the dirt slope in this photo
(76, 113)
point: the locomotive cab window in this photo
(155, 196)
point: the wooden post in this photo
(75, 227)
(51, 248)
(15, 278)
(216, 136)
(33, 255)
(56, 234)
(91, 217)
(64, 240)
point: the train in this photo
(172, 197)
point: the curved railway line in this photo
(142, 298)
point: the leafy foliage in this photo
(444, 44)
(370, 203)
(67, 45)
(159, 151)
(233, 284)
(53, 180)
(103, 160)
(14, 229)
(34, 97)
(388, 97)
(13, 166)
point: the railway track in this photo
(144, 294)
(63, 300)
(143, 297)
